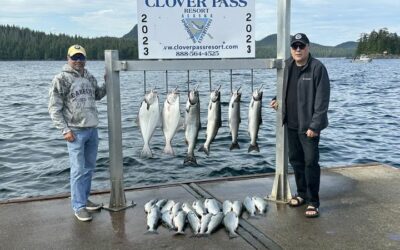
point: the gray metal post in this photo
(281, 189)
(117, 196)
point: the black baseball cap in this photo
(301, 38)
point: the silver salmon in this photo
(213, 119)
(255, 119)
(234, 118)
(192, 124)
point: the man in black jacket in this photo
(306, 91)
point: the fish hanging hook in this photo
(188, 80)
(209, 78)
(231, 82)
(144, 81)
(166, 81)
(252, 80)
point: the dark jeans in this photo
(304, 157)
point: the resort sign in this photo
(179, 29)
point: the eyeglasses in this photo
(77, 57)
(298, 45)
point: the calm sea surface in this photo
(364, 126)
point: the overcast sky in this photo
(327, 22)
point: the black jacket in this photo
(313, 91)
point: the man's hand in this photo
(274, 104)
(69, 137)
(311, 133)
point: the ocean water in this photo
(364, 125)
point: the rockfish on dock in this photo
(231, 222)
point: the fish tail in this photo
(253, 148)
(146, 152)
(190, 159)
(234, 145)
(179, 233)
(168, 149)
(151, 232)
(233, 235)
(205, 149)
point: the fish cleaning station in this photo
(360, 204)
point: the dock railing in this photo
(281, 190)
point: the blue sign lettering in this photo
(180, 3)
(229, 3)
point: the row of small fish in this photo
(149, 118)
(204, 217)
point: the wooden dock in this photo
(360, 209)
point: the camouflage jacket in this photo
(72, 99)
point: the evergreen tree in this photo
(378, 43)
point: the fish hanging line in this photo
(144, 81)
(145, 85)
(231, 79)
(188, 80)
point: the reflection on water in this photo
(364, 126)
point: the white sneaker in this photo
(91, 206)
(83, 215)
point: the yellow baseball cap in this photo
(75, 49)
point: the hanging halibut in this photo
(149, 116)
(213, 119)
(171, 115)
(234, 118)
(255, 119)
(192, 124)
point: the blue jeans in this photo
(304, 157)
(82, 157)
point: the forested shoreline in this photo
(380, 42)
(24, 44)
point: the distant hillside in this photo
(266, 48)
(133, 34)
(347, 45)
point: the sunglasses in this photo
(298, 45)
(77, 57)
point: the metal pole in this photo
(281, 189)
(117, 196)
